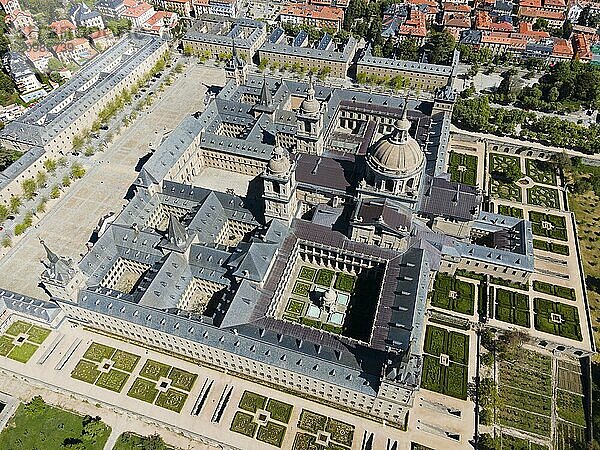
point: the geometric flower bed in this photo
(552, 289)
(506, 191)
(105, 367)
(510, 211)
(163, 385)
(543, 196)
(512, 307)
(463, 168)
(548, 225)
(324, 277)
(21, 340)
(445, 364)
(262, 418)
(540, 172)
(557, 318)
(525, 389)
(307, 273)
(321, 432)
(552, 247)
(453, 294)
(501, 164)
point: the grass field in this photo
(40, 426)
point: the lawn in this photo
(18, 327)
(98, 352)
(543, 196)
(154, 370)
(6, 345)
(23, 352)
(181, 379)
(143, 390)
(38, 335)
(172, 399)
(243, 423)
(40, 426)
(86, 371)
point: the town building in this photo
(28, 85)
(138, 12)
(313, 15)
(10, 6)
(228, 8)
(102, 39)
(112, 9)
(83, 16)
(76, 50)
(39, 58)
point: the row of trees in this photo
(476, 114)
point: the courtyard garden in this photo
(445, 364)
(463, 168)
(164, 385)
(555, 290)
(262, 418)
(322, 432)
(105, 367)
(453, 294)
(510, 211)
(36, 425)
(525, 390)
(511, 307)
(542, 172)
(304, 305)
(543, 196)
(557, 318)
(548, 225)
(21, 340)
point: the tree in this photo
(66, 181)
(93, 428)
(439, 47)
(4, 212)
(55, 192)
(35, 406)
(50, 165)
(6, 241)
(14, 204)
(472, 113)
(78, 142)
(77, 171)
(540, 25)
(408, 50)
(54, 64)
(40, 179)
(28, 187)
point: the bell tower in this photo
(279, 182)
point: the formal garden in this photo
(445, 364)
(306, 305)
(548, 225)
(36, 425)
(164, 385)
(505, 171)
(555, 290)
(552, 247)
(105, 367)
(542, 172)
(557, 318)
(510, 211)
(463, 168)
(21, 340)
(321, 432)
(262, 418)
(511, 307)
(543, 196)
(525, 390)
(453, 294)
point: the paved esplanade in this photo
(71, 220)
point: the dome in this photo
(329, 297)
(279, 162)
(310, 105)
(398, 153)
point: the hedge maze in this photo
(262, 418)
(512, 307)
(445, 364)
(21, 340)
(525, 389)
(453, 294)
(463, 168)
(548, 225)
(557, 318)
